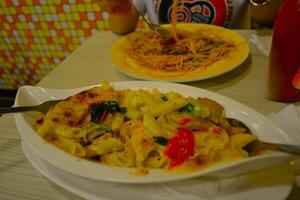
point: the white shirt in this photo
(219, 12)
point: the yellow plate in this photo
(129, 67)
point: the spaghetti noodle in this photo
(174, 19)
(192, 50)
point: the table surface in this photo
(19, 180)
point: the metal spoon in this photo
(289, 148)
(42, 108)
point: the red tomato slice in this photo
(180, 147)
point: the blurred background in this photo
(36, 35)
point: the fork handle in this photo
(146, 20)
(16, 109)
(142, 15)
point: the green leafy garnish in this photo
(97, 110)
(188, 108)
(196, 110)
(160, 140)
(164, 98)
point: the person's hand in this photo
(123, 16)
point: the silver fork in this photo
(156, 28)
(42, 108)
(164, 33)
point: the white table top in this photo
(19, 180)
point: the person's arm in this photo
(123, 17)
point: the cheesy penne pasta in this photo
(145, 129)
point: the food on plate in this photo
(188, 51)
(193, 51)
(146, 129)
(184, 50)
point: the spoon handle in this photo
(16, 109)
(294, 149)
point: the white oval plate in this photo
(273, 183)
(259, 125)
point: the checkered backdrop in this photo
(36, 35)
